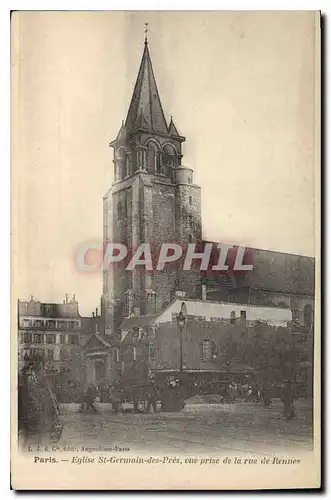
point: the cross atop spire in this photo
(146, 31)
(146, 100)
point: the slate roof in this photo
(274, 271)
(49, 310)
(145, 104)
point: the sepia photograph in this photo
(165, 250)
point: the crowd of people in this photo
(39, 413)
(170, 396)
(266, 392)
(144, 397)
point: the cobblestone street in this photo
(241, 427)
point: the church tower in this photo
(152, 200)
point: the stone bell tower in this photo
(153, 200)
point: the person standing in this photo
(266, 394)
(89, 399)
(288, 400)
(152, 397)
(115, 399)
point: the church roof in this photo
(282, 272)
(145, 104)
(272, 271)
(97, 340)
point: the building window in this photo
(116, 354)
(134, 353)
(61, 325)
(243, 315)
(208, 350)
(153, 158)
(233, 318)
(38, 338)
(73, 324)
(51, 324)
(50, 339)
(73, 339)
(48, 310)
(189, 180)
(38, 323)
(151, 351)
(140, 333)
(50, 354)
(26, 323)
(37, 353)
(63, 338)
(190, 200)
(27, 338)
(191, 221)
(169, 155)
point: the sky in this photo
(240, 87)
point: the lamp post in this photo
(181, 322)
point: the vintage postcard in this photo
(165, 250)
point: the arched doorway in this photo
(100, 370)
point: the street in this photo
(199, 428)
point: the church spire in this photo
(145, 101)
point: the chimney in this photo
(96, 312)
(203, 292)
(66, 298)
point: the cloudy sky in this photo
(240, 87)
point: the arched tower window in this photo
(120, 164)
(128, 165)
(308, 316)
(153, 158)
(169, 155)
